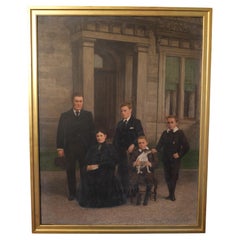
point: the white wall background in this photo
(223, 208)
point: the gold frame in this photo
(206, 14)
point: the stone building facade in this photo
(153, 62)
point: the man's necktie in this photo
(77, 113)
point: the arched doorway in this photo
(114, 81)
(105, 92)
(104, 100)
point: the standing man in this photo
(175, 146)
(125, 140)
(75, 134)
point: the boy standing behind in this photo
(127, 131)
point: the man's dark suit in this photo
(75, 135)
(125, 135)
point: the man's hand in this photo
(176, 155)
(60, 153)
(92, 167)
(131, 148)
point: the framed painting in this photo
(156, 58)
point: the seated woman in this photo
(101, 187)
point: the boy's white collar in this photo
(140, 150)
(174, 130)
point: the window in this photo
(171, 84)
(190, 87)
(181, 86)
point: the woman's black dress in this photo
(101, 187)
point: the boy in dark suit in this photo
(125, 140)
(174, 145)
(75, 134)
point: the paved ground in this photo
(56, 209)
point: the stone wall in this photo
(54, 77)
(56, 84)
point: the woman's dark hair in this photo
(102, 130)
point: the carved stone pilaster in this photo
(142, 51)
(87, 49)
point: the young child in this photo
(174, 145)
(143, 163)
(142, 158)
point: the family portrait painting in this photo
(119, 109)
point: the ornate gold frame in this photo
(206, 14)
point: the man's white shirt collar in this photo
(127, 119)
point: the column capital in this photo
(162, 42)
(141, 48)
(88, 42)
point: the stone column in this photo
(167, 102)
(161, 111)
(88, 73)
(181, 89)
(142, 51)
(174, 102)
(191, 111)
(76, 68)
(128, 77)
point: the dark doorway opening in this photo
(105, 100)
